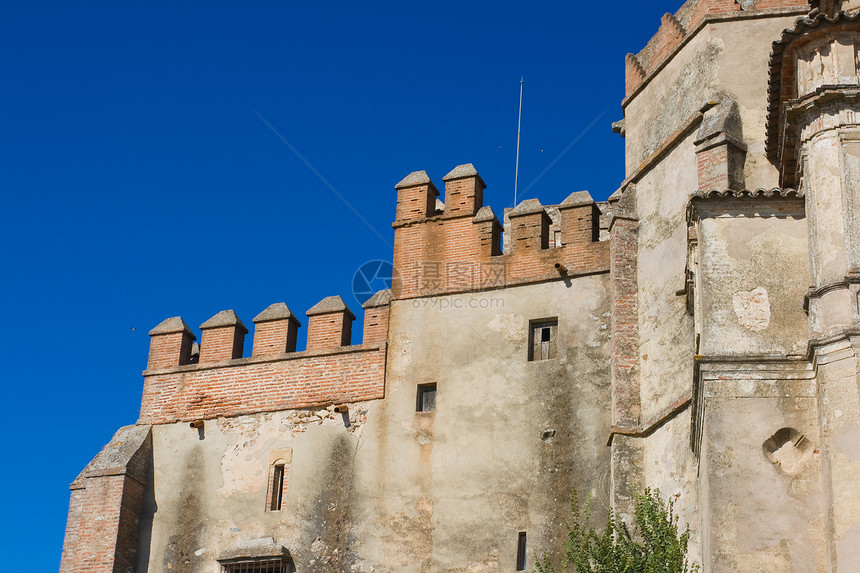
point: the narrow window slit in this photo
(277, 488)
(521, 552)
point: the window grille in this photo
(258, 566)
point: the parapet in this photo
(275, 376)
(459, 249)
(675, 29)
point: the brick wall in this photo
(625, 324)
(171, 349)
(297, 380)
(376, 325)
(712, 168)
(106, 503)
(275, 377)
(634, 74)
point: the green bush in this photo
(656, 548)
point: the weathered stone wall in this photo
(725, 61)
(400, 490)
(753, 275)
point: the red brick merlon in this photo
(106, 504)
(376, 312)
(170, 344)
(458, 249)
(276, 331)
(329, 324)
(223, 337)
(464, 191)
(274, 378)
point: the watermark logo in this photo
(459, 276)
(442, 303)
(370, 278)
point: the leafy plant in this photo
(656, 548)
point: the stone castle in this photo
(698, 332)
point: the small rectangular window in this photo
(426, 398)
(543, 340)
(521, 552)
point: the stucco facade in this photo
(699, 333)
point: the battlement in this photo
(456, 246)
(676, 28)
(216, 381)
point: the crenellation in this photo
(459, 251)
(376, 318)
(329, 324)
(275, 331)
(184, 391)
(529, 227)
(489, 232)
(416, 197)
(580, 219)
(170, 344)
(464, 191)
(223, 337)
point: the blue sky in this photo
(140, 182)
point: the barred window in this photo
(258, 566)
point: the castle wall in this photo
(507, 441)
(655, 114)
(756, 418)
(763, 506)
(725, 61)
(666, 340)
(753, 274)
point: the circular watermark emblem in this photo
(370, 278)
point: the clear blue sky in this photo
(139, 183)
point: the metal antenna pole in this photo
(519, 125)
